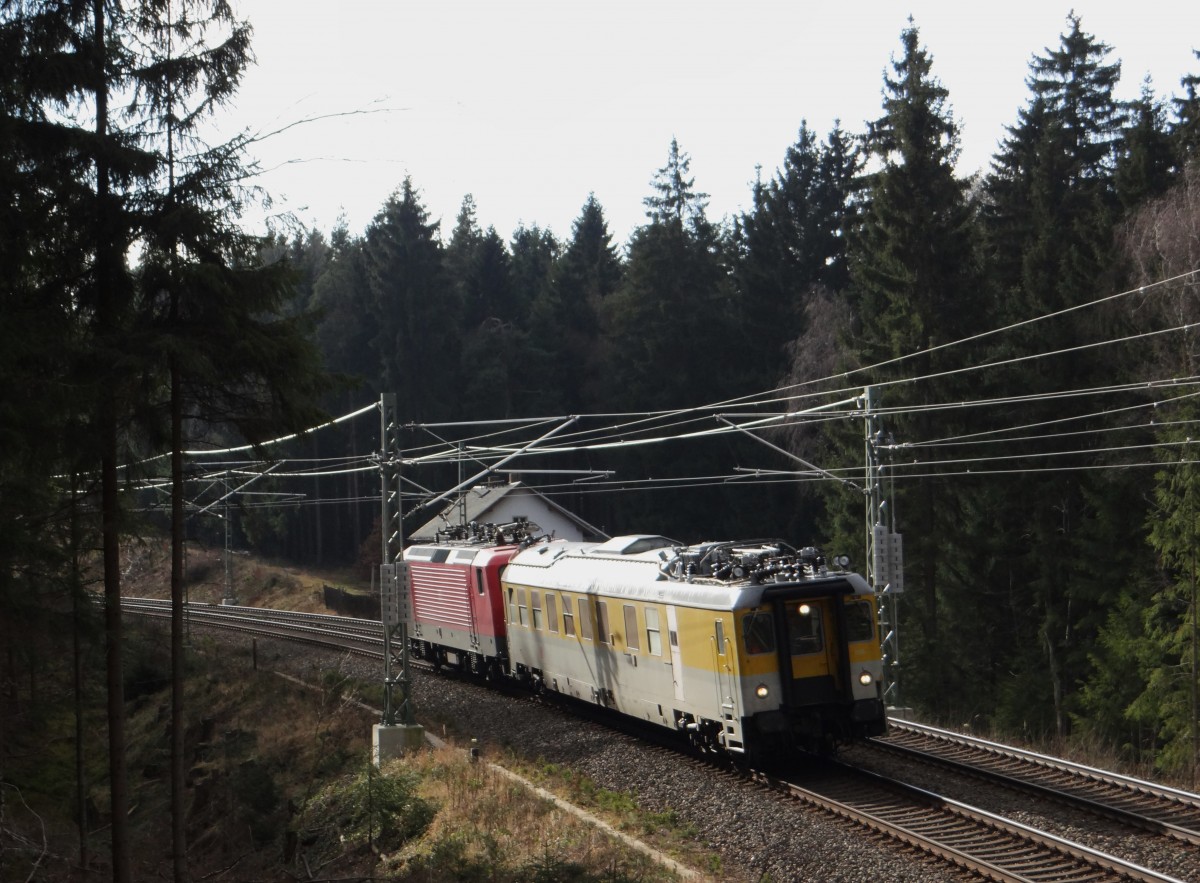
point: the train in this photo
(753, 649)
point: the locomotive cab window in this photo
(719, 627)
(860, 624)
(758, 633)
(479, 584)
(805, 629)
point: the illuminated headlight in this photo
(865, 679)
(804, 610)
(761, 691)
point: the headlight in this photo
(804, 610)
(761, 691)
(865, 679)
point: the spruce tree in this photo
(418, 313)
(665, 333)
(564, 325)
(1051, 204)
(1147, 164)
(913, 288)
(1186, 129)
(1153, 633)
(790, 243)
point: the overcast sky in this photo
(530, 105)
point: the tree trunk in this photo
(178, 826)
(77, 599)
(118, 786)
(110, 504)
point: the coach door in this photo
(676, 656)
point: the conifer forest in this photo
(1029, 334)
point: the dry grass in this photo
(258, 583)
(490, 827)
(280, 787)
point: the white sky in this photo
(529, 105)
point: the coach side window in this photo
(632, 639)
(603, 635)
(653, 632)
(522, 609)
(512, 606)
(585, 620)
(552, 612)
(535, 601)
(568, 618)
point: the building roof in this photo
(481, 504)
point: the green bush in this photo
(369, 808)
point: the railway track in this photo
(362, 637)
(984, 844)
(1167, 812)
(977, 842)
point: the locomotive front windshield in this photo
(860, 624)
(758, 633)
(805, 629)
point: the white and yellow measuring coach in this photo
(749, 647)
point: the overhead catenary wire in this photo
(602, 432)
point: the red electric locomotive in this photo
(458, 611)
